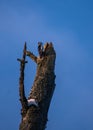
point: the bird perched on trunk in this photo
(40, 49)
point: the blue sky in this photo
(69, 25)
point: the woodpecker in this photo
(40, 49)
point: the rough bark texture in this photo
(35, 117)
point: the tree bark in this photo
(35, 107)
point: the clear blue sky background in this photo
(69, 25)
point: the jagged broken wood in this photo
(35, 107)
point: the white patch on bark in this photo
(32, 102)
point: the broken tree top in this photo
(45, 66)
(35, 107)
(43, 51)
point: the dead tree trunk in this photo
(35, 107)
